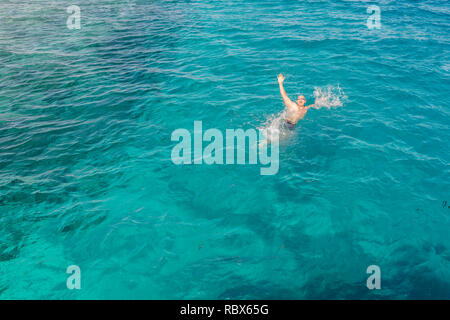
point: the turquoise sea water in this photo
(86, 176)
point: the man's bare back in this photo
(295, 110)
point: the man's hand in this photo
(280, 78)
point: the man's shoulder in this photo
(293, 105)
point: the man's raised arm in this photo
(288, 102)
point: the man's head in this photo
(301, 101)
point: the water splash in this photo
(274, 125)
(329, 97)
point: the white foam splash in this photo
(329, 97)
(275, 125)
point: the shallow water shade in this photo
(86, 176)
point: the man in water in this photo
(295, 110)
